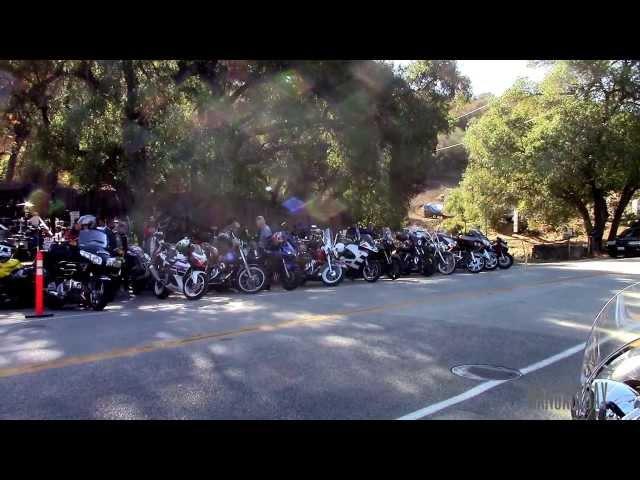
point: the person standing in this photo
(264, 243)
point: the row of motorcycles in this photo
(92, 270)
(293, 258)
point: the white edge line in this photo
(483, 387)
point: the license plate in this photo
(620, 248)
(46, 244)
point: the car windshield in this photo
(617, 325)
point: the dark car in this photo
(626, 244)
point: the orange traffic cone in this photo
(39, 288)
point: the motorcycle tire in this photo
(195, 292)
(330, 279)
(97, 298)
(505, 261)
(290, 282)
(244, 283)
(394, 269)
(428, 267)
(448, 266)
(475, 267)
(491, 266)
(371, 271)
(159, 290)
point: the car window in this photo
(630, 233)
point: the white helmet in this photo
(340, 247)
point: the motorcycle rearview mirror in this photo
(616, 397)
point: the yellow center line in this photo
(303, 319)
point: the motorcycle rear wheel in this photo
(505, 260)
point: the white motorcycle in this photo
(354, 255)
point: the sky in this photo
(494, 76)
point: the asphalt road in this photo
(356, 351)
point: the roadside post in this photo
(39, 300)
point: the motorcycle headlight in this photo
(91, 257)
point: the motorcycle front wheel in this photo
(252, 280)
(505, 260)
(194, 289)
(292, 281)
(449, 265)
(159, 290)
(333, 276)
(475, 265)
(491, 263)
(371, 271)
(97, 297)
(428, 267)
(394, 269)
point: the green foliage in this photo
(357, 132)
(556, 149)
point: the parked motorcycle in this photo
(358, 257)
(178, 268)
(413, 254)
(85, 274)
(388, 255)
(486, 250)
(137, 269)
(284, 261)
(229, 265)
(469, 253)
(610, 374)
(16, 281)
(440, 251)
(501, 249)
(319, 259)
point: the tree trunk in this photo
(600, 215)
(13, 158)
(625, 198)
(584, 213)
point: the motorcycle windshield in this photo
(616, 326)
(92, 238)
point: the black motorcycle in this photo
(487, 251)
(388, 255)
(413, 254)
(137, 269)
(501, 249)
(85, 274)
